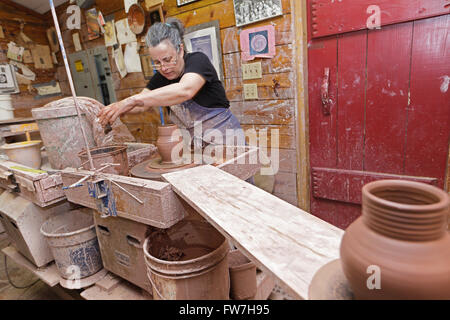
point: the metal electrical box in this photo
(91, 73)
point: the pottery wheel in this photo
(153, 168)
(330, 283)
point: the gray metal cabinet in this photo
(91, 73)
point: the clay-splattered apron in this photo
(189, 114)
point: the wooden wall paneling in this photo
(8, 13)
(300, 58)
(387, 98)
(222, 11)
(270, 87)
(351, 100)
(287, 159)
(108, 7)
(36, 29)
(286, 135)
(428, 114)
(282, 62)
(285, 182)
(269, 112)
(171, 8)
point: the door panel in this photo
(428, 114)
(351, 89)
(338, 16)
(388, 62)
(389, 109)
(324, 134)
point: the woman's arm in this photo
(140, 109)
(172, 94)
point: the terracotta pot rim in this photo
(167, 129)
(441, 204)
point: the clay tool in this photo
(161, 114)
(69, 77)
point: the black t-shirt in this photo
(212, 94)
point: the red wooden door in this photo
(379, 99)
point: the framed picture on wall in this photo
(156, 15)
(183, 2)
(250, 11)
(205, 38)
(147, 66)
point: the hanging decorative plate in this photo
(136, 19)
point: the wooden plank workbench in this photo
(279, 238)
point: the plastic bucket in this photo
(27, 153)
(72, 239)
(6, 109)
(108, 154)
(242, 276)
(201, 270)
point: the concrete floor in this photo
(22, 277)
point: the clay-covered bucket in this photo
(242, 276)
(59, 127)
(107, 154)
(200, 270)
(72, 239)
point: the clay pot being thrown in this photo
(169, 136)
(399, 248)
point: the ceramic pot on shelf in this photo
(169, 136)
(399, 248)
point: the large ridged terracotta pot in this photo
(402, 232)
(169, 136)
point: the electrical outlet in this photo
(250, 91)
(252, 71)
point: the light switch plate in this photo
(250, 91)
(251, 71)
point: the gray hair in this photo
(172, 30)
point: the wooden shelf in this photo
(16, 120)
(12, 134)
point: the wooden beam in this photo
(25, 9)
(9, 14)
(300, 52)
(281, 239)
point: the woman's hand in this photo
(113, 111)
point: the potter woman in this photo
(188, 83)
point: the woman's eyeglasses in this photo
(171, 62)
